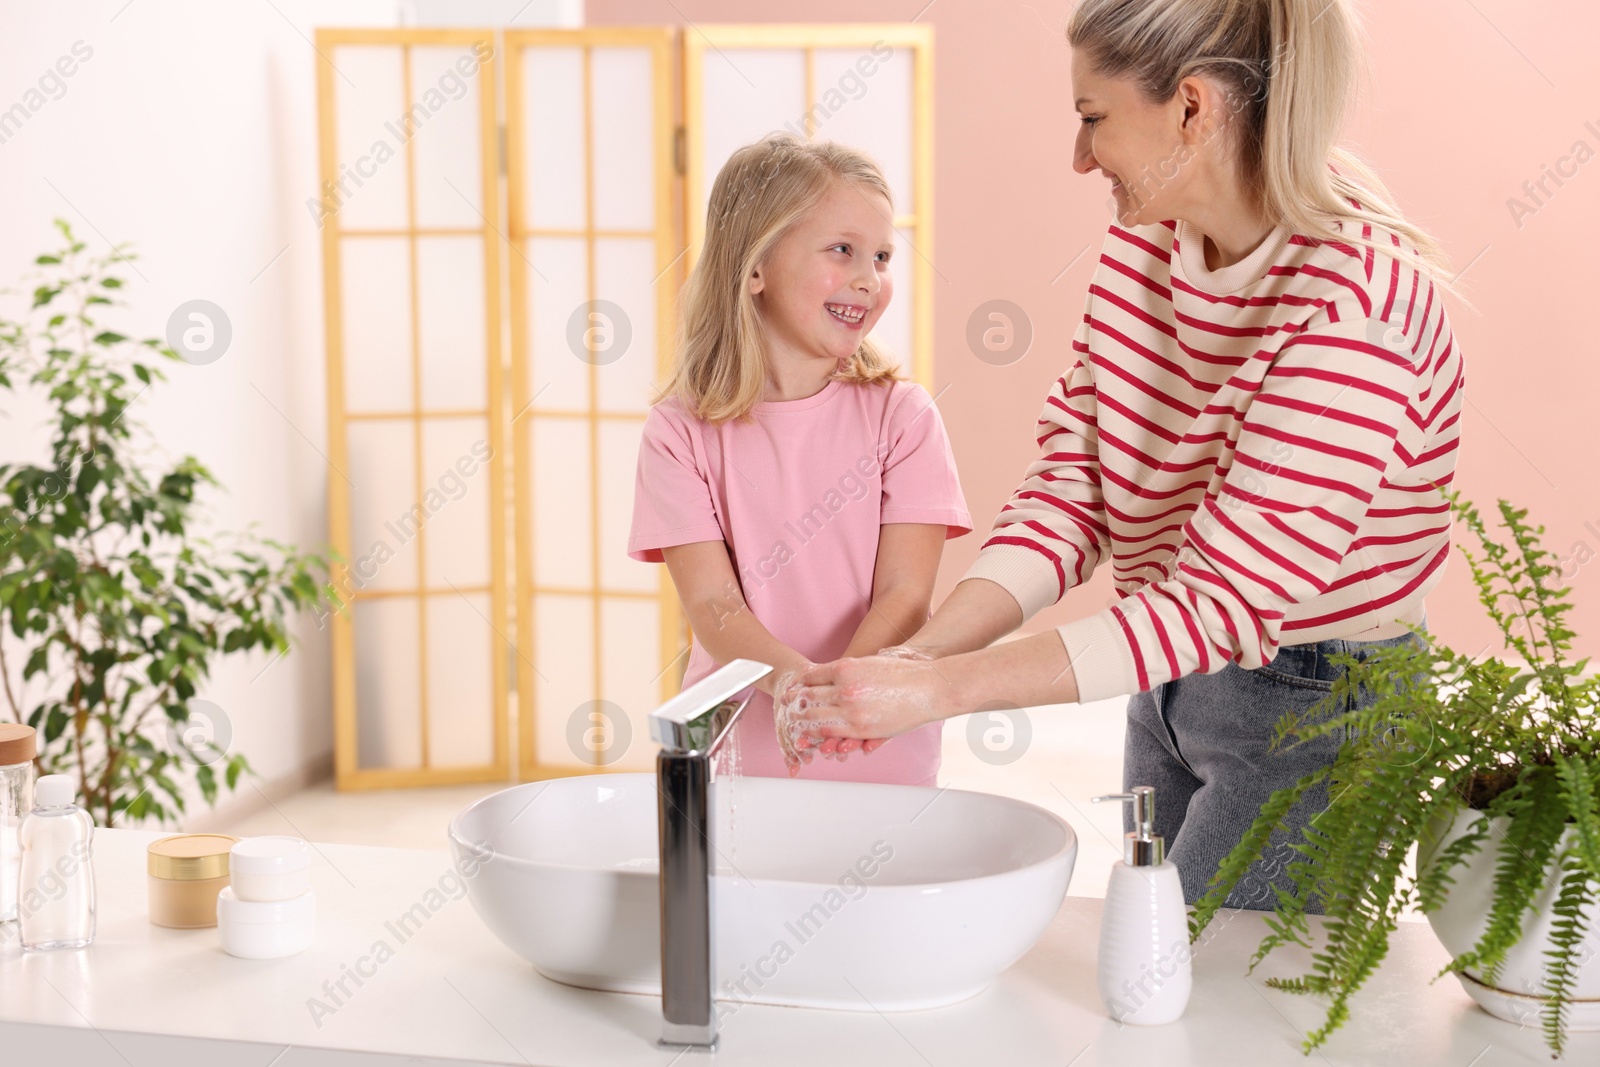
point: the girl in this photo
(798, 489)
(1254, 433)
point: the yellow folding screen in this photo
(408, 209)
(481, 492)
(595, 265)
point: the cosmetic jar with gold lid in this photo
(186, 872)
(18, 748)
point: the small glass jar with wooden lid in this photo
(186, 872)
(18, 749)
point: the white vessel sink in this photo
(826, 894)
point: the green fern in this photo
(1433, 883)
(1442, 732)
(1535, 822)
(1566, 935)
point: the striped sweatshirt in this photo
(1259, 451)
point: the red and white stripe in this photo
(1260, 468)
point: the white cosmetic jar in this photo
(269, 868)
(265, 929)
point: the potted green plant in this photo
(1490, 769)
(112, 605)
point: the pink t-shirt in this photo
(798, 496)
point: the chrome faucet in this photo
(689, 728)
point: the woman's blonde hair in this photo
(764, 189)
(1287, 67)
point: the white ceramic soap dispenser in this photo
(1144, 929)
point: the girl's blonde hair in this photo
(719, 365)
(1287, 68)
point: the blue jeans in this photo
(1201, 741)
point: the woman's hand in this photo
(840, 747)
(873, 697)
(978, 613)
(904, 652)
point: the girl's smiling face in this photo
(826, 282)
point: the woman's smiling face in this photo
(826, 282)
(1139, 146)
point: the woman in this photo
(1262, 414)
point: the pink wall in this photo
(1465, 103)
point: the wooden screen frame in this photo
(678, 87)
(673, 633)
(347, 773)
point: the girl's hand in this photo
(784, 697)
(874, 697)
(840, 747)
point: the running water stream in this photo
(728, 765)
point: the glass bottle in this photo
(18, 746)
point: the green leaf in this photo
(139, 807)
(1575, 899)
(208, 783)
(1433, 883)
(38, 661)
(1577, 782)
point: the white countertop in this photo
(452, 992)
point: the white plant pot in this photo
(1518, 993)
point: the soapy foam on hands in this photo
(789, 704)
(903, 652)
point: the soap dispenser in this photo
(1144, 929)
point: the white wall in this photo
(190, 131)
